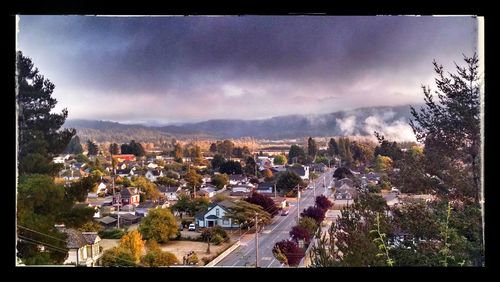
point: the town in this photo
(249, 142)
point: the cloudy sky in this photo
(185, 69)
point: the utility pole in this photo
(298, 202)
(275, 193)
(256, 241)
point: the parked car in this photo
(285, 212)
(192, 227)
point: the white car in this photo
(395, 190)
(192, 227)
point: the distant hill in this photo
(360, 121)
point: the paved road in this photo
(278, 230)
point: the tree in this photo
(296, 155)
(280, 160)
(450, 128)
(244, 213)
(81, 158)
(362, 153)
(39, 135)
(220, 180)
(264, 201)
(213, 148)
(333, 147)
(288, 252)
(166, 181)
(118, 257)
(198, 204)
(383, 164)
(39, 205)
(323, 203)
(231, 167)
(74, 146)
(149, 189)
(412, 177)
(155, 257)
(300, 233)
(91, 226)
(217, 161)
(316, 213)
(312, 148)
(388, 149)
(309, 224)
(92, 148)
(288, 181)
(343, 172)
(250, 166)
(268, 175)
(159, 225)
(182, 205)
(177, 153)
(133, 242)
(226, 148)
(114, 149)
(193, 179)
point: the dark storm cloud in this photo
(193, 68)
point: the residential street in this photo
(244, 255)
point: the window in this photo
(225, 222)
(217, 211)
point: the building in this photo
(265, 188)
(302, 171)
(83, 247)
(215, 216)
(124, 157)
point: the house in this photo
(280, 202)
(123, 172)
(345, 192)
(265, 188)
(346, 181)
(102, 188)
(137, 172)
(107, 221)
(208, 192)
(302, 171)
(242, 189)
(264, 162)
(127, 219)
(152, 165)
(152, 175)
(215, 215)
(235, 179)
(83, 247)
(71, 174)
(169, 192)
(206, 178)
(143, 208)
(128, 196)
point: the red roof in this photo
(129, 157)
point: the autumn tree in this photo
(288, 252)
(300, 233)
(268, 175)
(159, 225)
(39, 135)
(178, 153)
(316, 213)
(155, 257)
(383, 164)
(149, 189)
(193, 179)
(133, 241)
(118, 257)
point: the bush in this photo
(112, 233)
(217, 239)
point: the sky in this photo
(188, 69)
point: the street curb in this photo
(223, 255)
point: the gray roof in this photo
(127, 192)
(237, 177)
(212, 217)
(298, 170)
(147, 205)
(128, 216)
(75, 239)
(107, 220)
(91, 237)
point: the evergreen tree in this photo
(74, 146)
(333, 147)
(39, 135)
(92, 148)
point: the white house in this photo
(208, 192)
(235, 179)
(83, 247)
(152, 175)
(265, 188)
(152, 165)
(169, 192)
(215, 215)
